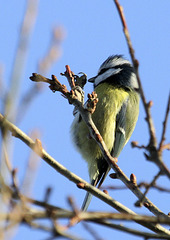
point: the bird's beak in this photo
(91, 80)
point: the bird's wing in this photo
(120, 131)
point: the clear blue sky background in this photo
(92, 32)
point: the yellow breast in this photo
(104, 117)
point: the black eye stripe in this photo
(103, 70)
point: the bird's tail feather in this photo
(98, 179)
(87, 201)
(88, 197)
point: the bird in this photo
(115, 117)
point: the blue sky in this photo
(92, 32)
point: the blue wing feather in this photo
(120, 131)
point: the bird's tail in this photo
(88, 197)
(98, 179)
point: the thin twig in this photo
(140, 185)
(53, 51)
(56, 232)
(92, 231)
(70, 76)
(136, 66)
(161, 145)
(140, 202)
(28, 24)
(155, 156)
(132, 231)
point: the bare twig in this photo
(20, 59)
(70, 76)
(140, 185)
(134, 144)
(155, 156)
(54, 50)
(161, 145)
(140, 202)
(159, 188)
(52, 55)
(92, 231)
(61, 231)
(132, 231)
(153, 141)
(56, 231)
(27, 99)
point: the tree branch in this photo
(36, 146)
(161, 145)
(86, 116)
(155, 155)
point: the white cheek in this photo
(133, 81)
(106, 75)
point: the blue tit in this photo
(115, 117)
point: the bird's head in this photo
(117, 71)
